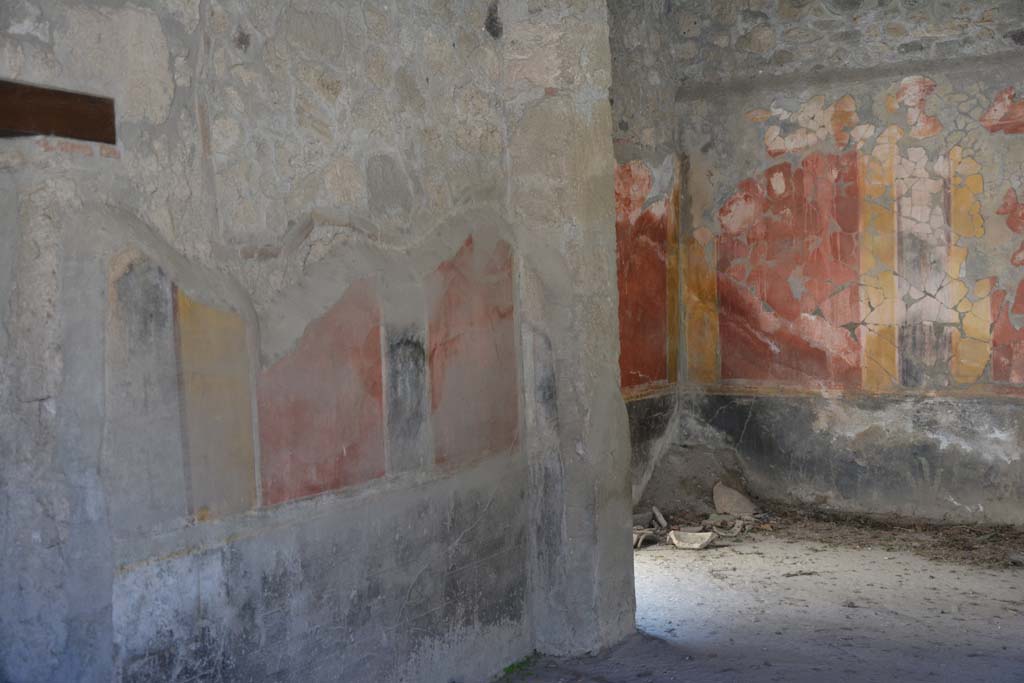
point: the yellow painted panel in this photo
(879, 371)
(701, 305)
(970, 356)
(972, 344)
(978, 323)
(216, 395)
(880, 358)
(672, 274)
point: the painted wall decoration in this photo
(321, 405)
(647, 265)
(787, 271)
(472, 355)
(143, 458)
(180, 439)
(874, 246)
(180, 446)
(178, 373)
(213, 364)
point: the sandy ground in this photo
(815, 601)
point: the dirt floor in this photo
(979, 545)
(820, 596)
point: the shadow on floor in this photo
(645, 659)
(795, 610)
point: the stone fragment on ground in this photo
(642, 537)
(642, 519)
(691, 540)
(731, 502)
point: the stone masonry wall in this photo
(292, 385)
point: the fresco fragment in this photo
(878, 293)
(1014, 212)
(180, 441)
(971, 342)
(472, 355)
(645, 242)
(700, 294)
(903, 217)
(788, 264)
(144, 453)
(672, 274)
(924, 283)
(811, 124)
(217, 401)
(321, 405)
(1007, 342)
(913, 94)
(1006, 113)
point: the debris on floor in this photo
(642, 537)
(736, 515)
(985, 545)
(980, 545)
(685, 535)
(691, 540)
(659, 518)
(642, 519)
(729, 501)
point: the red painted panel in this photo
(1007, 340)
(1018, 301)
(787, 275)
(1014, 212)
(320, 407)
(472, 356)
(641, 243)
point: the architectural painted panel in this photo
(472, 354)
(647, 264)
(788, 256)
(143, 454)
(213, 363)
(321, 405)
(180, 440)
(873, 243)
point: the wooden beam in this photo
(31, 110)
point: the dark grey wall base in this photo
(650, 423)
(947, 459)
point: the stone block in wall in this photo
(321, 405)
(213, 362)
(472, 353)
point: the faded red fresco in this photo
(1014, 212)
(1007, 340)
(1006, 114)
(320, 406)
(787, 275)
(641, 242)
(472, 354)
